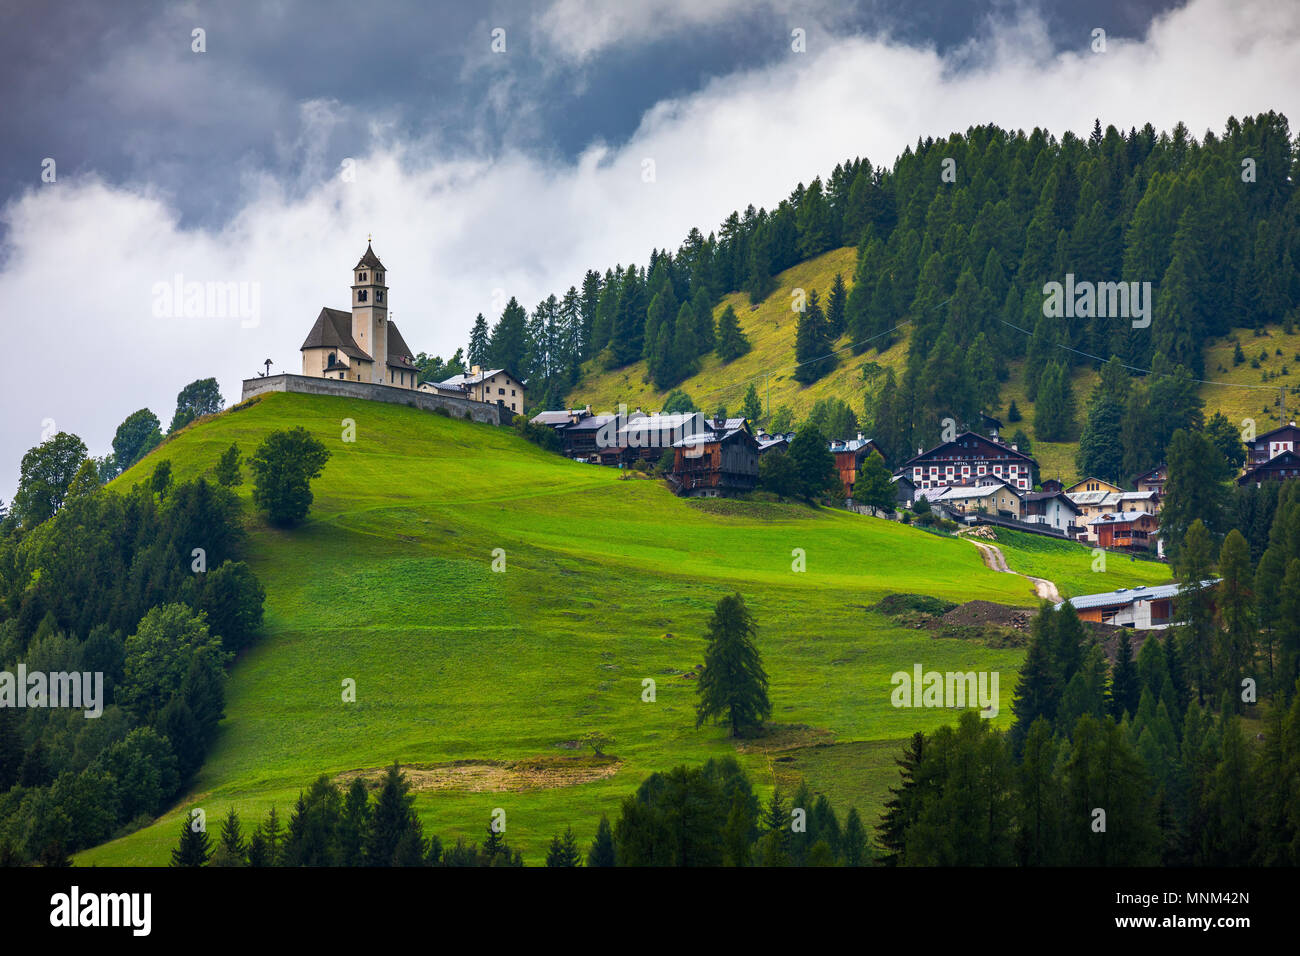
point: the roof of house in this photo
(1101, 481)
(558, 417)
(1122, 596)
(1288, 427)
(1126, 517)
(590, 423)
(1083, 498)
(1286, 459)
(1162, 467)
(850, 444)
(979, 491)
(1006, 450)
(471, 378)
(1048, 495)
(369, 260)
(333, 330)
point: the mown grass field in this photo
(770, 327)
(607, 582)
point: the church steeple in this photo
(370, 310)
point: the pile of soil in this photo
(984, 613)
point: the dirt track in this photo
(994, 559)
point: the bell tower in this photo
(370, 311)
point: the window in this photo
(500, 391)
(361, 277)
(512, 393)
(361, 296)
(379, 277)
(379, 295)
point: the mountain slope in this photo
(607, 582)
(770, 327)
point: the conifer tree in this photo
(602, 847)
(752, 407)
(732, 343)
(479, 343)
(835, 308)
(733, 683)
(1125, 686)
(231, 848)
(195, 846)
(812, 343)
(563, 850)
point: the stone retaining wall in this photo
(428, 401)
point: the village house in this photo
(777, 442)
(715, 463)
(362, 345)
(496, 386)
(1141, 607)
(1152, 480)
(1279, 468)
(1273, 456)
(1051, 508)
(1127, 529)
(970, 457)
(849, 456)
(998, 500)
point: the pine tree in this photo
(1038, 692)
(835, 308)
(231, 850)
(227, 471)
(900, 808)
(1234, 605)
(752, 407)
(685, 348)
(602, 847)
(195, 847)
(479, 343)
(1054, 412)
(854, 841)
(1125, 686)
(732, 343)
(563, 850)
(733, 682)
(392, 819)
(812, 344)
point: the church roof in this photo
(370, 260)
(399, 353)
(333, 330)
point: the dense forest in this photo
(146, 587)
(955, 244)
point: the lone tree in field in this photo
(733, 681)
(283, 467)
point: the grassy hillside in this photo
(770, 327)
(481, 681)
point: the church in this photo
(361, 345)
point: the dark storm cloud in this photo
(289, 89)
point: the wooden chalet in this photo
(1153, 479)
(1269, 445)
(1282, 467)
(1129, 529)
(715, 464)
(849, 456)
(1273, 456)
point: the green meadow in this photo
(483, 682)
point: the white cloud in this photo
(85, 350)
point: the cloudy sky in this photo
(493, 149)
